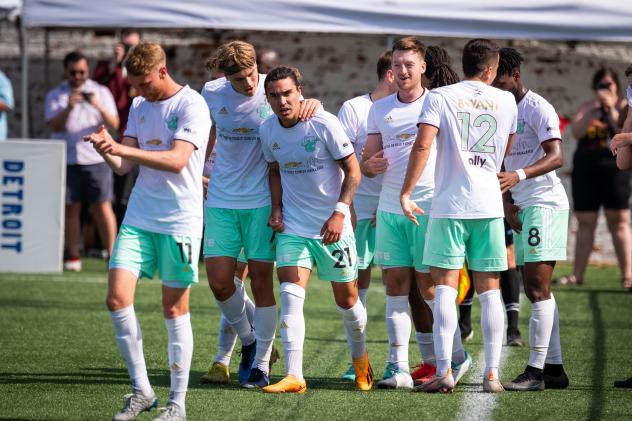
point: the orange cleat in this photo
(364, 377)
(288, 384)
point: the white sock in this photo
(250, 306)
(554, 355)
(540, 327)
(426, 347)
(444, 325)
(226, 339)
(398, 326)
(493, 326)
(180, 350)
(362, 293)
(292, 327)
(354, 319)
(234, 309)
(458, 353)
(266, 322)
(130, 343)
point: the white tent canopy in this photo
(604, 20)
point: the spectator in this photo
(267, 59)
(74, 109)
(6, 103)
(596, 182)
(112, 74)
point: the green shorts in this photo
(143, 252)
(365, 243)
(543, 237)
(227, 231)
(336, 262)
(482, 241)
(399, 242)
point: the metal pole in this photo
(25, 81)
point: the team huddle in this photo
(415, 177)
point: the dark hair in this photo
(478, 54)
(410, 44)
(510, 61)
(384, 63)
(603, 72)
(282, 72)
(438, 69)
(628, 71)
(74, 57)
(129, 31)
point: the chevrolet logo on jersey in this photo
(243, 130)
(293, 164)
(154, 142)
(405, 136)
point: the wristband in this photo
(521, 174)
(343, 208)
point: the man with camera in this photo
(74, 109)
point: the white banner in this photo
(32, 198)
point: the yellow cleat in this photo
(217, 374)
(363, 373)
(288, 384)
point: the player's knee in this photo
(222, 290)
(114, 303)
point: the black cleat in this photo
(514, 338)
(555, 377)
(624, 384)
(527, 381)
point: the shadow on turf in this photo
(90, 375)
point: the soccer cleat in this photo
(555, 377)
(514, 338)
(217, 374)
(288, 384)
(423, 373)
(173, 412)
(72, 265)
(135, 405)
(349, 375)
(389, 370)
(492, 384)
(399, 380)
(624, 384)
(459, 370)
(364, 377)
(274, 357)
(443, 384)
(256, 379)
(527, 381)
(247, 357)
(467, 336)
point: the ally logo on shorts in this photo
(309, 142)
(172, 122)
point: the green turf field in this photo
(59, 361)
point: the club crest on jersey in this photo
(264, 111)
(172, 122)
(222, 111)
(309, 143)
(388, 119)
(520, 128)
(275, 146)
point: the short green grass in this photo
(59, 361)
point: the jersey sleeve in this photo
(194, 124)
(6, 91)
(131, 129)
(431, 110)
(546, 123)
(349, 121)
(514, 114)
(53, 105)
(336, 140)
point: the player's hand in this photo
(507, 180)
(375, 165)
(75, 98)
(308, 108)
(374, 219)
(332, 228)
(119, 53)
(205, 186)
(511, 215)
(276, 220)
(410, 208)
(102, 142)
(620, 140)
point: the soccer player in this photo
(353, 116)
(536, 207)
(166, 136)
(313, 175)
(474, 125)
(238, 204)
(392, 124)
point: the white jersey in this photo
(537, 123)
(353, 116)
(310, 176)
(474, 121)
(239, 179)
(396, 122)
(161, 201)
